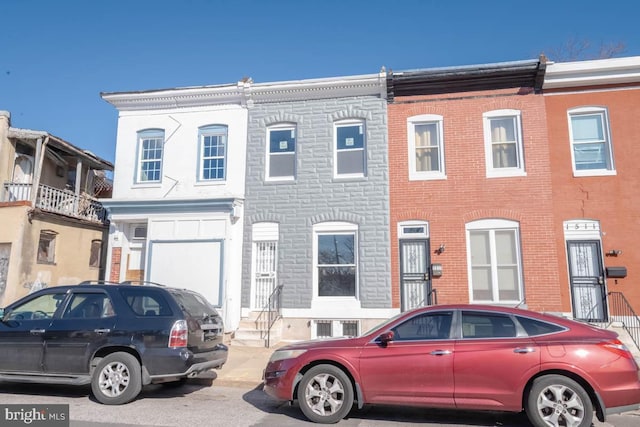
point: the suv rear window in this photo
(193, 304)
(146, 302)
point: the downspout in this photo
(41, 146)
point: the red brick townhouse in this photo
(471, 210)
(593, 119)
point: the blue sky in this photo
(57, 56)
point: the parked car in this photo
(469, 357)
(116, 337)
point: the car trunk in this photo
(206, 329)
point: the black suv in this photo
(117, 337)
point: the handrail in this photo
(434, 300)
(272, 311)
(621, 311)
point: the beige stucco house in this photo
(51, 224)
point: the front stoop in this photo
(249, 335)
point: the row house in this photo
(178, 191)
(53, 224)
(470, 187)
(593, 111)
(316, 233)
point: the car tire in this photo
(117, 379)
(325, 394)
(554, 399)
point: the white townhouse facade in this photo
(178, 191)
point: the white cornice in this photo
(335, 87)
(177, 98)
(247, 93)
(589, 73)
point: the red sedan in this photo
(470, 357)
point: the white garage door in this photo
(194, 265)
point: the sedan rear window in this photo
(537, 327)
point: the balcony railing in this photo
(58, 201)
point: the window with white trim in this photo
(213, 153)
(426, 147)
(335, 259)
(47, 247)
(503, 143)
(281, 152)
(150, 152)
(590, 138)
(326, 328)
(495, 264)
(350, 149)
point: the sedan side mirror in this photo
(386, 337)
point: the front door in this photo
(265, 256)
(586, 275)
(415, 281)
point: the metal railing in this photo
(55, 200)
(621, 311)
(269, 314)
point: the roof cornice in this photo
(502, 75)
(597, 72)
(177, 98)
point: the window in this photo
(46, 247)
(538, 327)
(487, 325)
(281, 152)
(426, 152)
(42, 307)
(335, 328)
(426, 326)
(139, 231)
(494, 261)
(503, 143)
(590, 141)
(89, 306)
(213, 153)
(96, 252)
(335, 249)
(150, 147)
(145, 302)
(350, 149)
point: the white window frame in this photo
(606, 129)
(147, 135)
(334, 228)
(47, 241)
(519, 169)
(336, 151)
(493, 225)
(269, 154)
(425, 119)
(219, 131)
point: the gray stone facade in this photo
(316, 196)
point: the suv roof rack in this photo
(98, 282)
(142, 283)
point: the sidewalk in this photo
(243, 368)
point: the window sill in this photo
(596, 172)
(209, 183)
(425, 177)
(146, 185)
(506, 174)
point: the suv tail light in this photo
(616, 346)
(179, 334)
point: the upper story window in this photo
(426, 149)
(350, 149)
(590, 141)
(150, 150)
(281, 152)
(213, 153)
(495, 264)
(47, 247)
(503, 143)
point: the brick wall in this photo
(114, 272)
(467, 194)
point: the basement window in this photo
(335, 328)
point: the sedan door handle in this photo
(440, 352)
(37, 331)
(102, 331)
(524, 350)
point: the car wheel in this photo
(555, 400)
(325, 394)
(117, 379)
